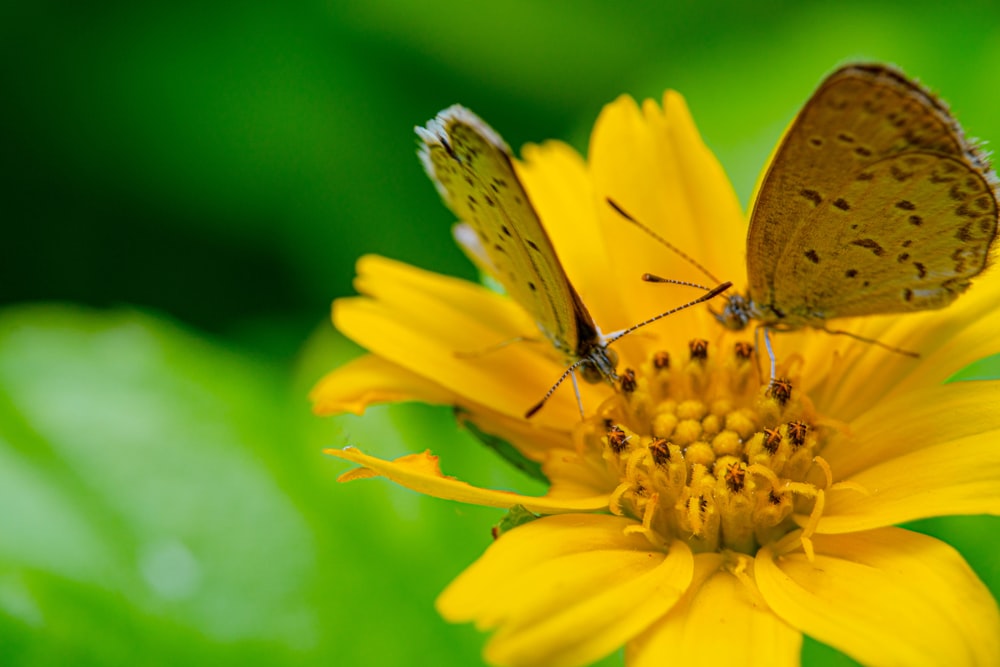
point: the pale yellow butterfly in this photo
(475, 175)
(873, 203)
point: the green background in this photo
(186, 188)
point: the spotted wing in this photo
(874, 202)
(473, 170)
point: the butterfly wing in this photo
(874, 202)
(474, 172)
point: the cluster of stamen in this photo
(707, 452)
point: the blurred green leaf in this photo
(135, 480)
(159, 505)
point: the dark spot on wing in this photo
(899, 174)
(905, 205)
(964, 233)
(811, 195)
(907, 295)
(921, 269)
(812, 256)
(531, 286)
(903, 256)
(865, 176)
(506, 231)
(448, 149)
(850, 273)
(531, 244)
(959, 258)
(871, 244)
(816, 141)
(916, 220)
(842, 204)
(863, 152)
(846, 138)
(966, 212)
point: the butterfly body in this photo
(873, 203)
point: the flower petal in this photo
(533, 440)
(934, 415)
(368, 380)
(885, 597)
(421, 473)
(719, 621)
(566, 590)
(956, 477)
(443, 328)
(654, 164)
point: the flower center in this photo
(706, 452)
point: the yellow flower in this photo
(700, 518)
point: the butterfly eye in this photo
(590, 373)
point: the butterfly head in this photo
(736, 314)
(599, 365)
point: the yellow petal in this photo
(531, 439)
(895, 427)
(719, 621)
(956, 477)
(885, 597)
(443, 329)
(369, 380)
(573, 475)
(654, 164)
(397, 283)
(567, 590)
(421, 473)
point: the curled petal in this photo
(421, 473)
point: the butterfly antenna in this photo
(711, 294)
(680, 253)
(538, 406)
(650, 278)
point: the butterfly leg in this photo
(872, 341)
(576, 390)
(495, 347)
(770, 351)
